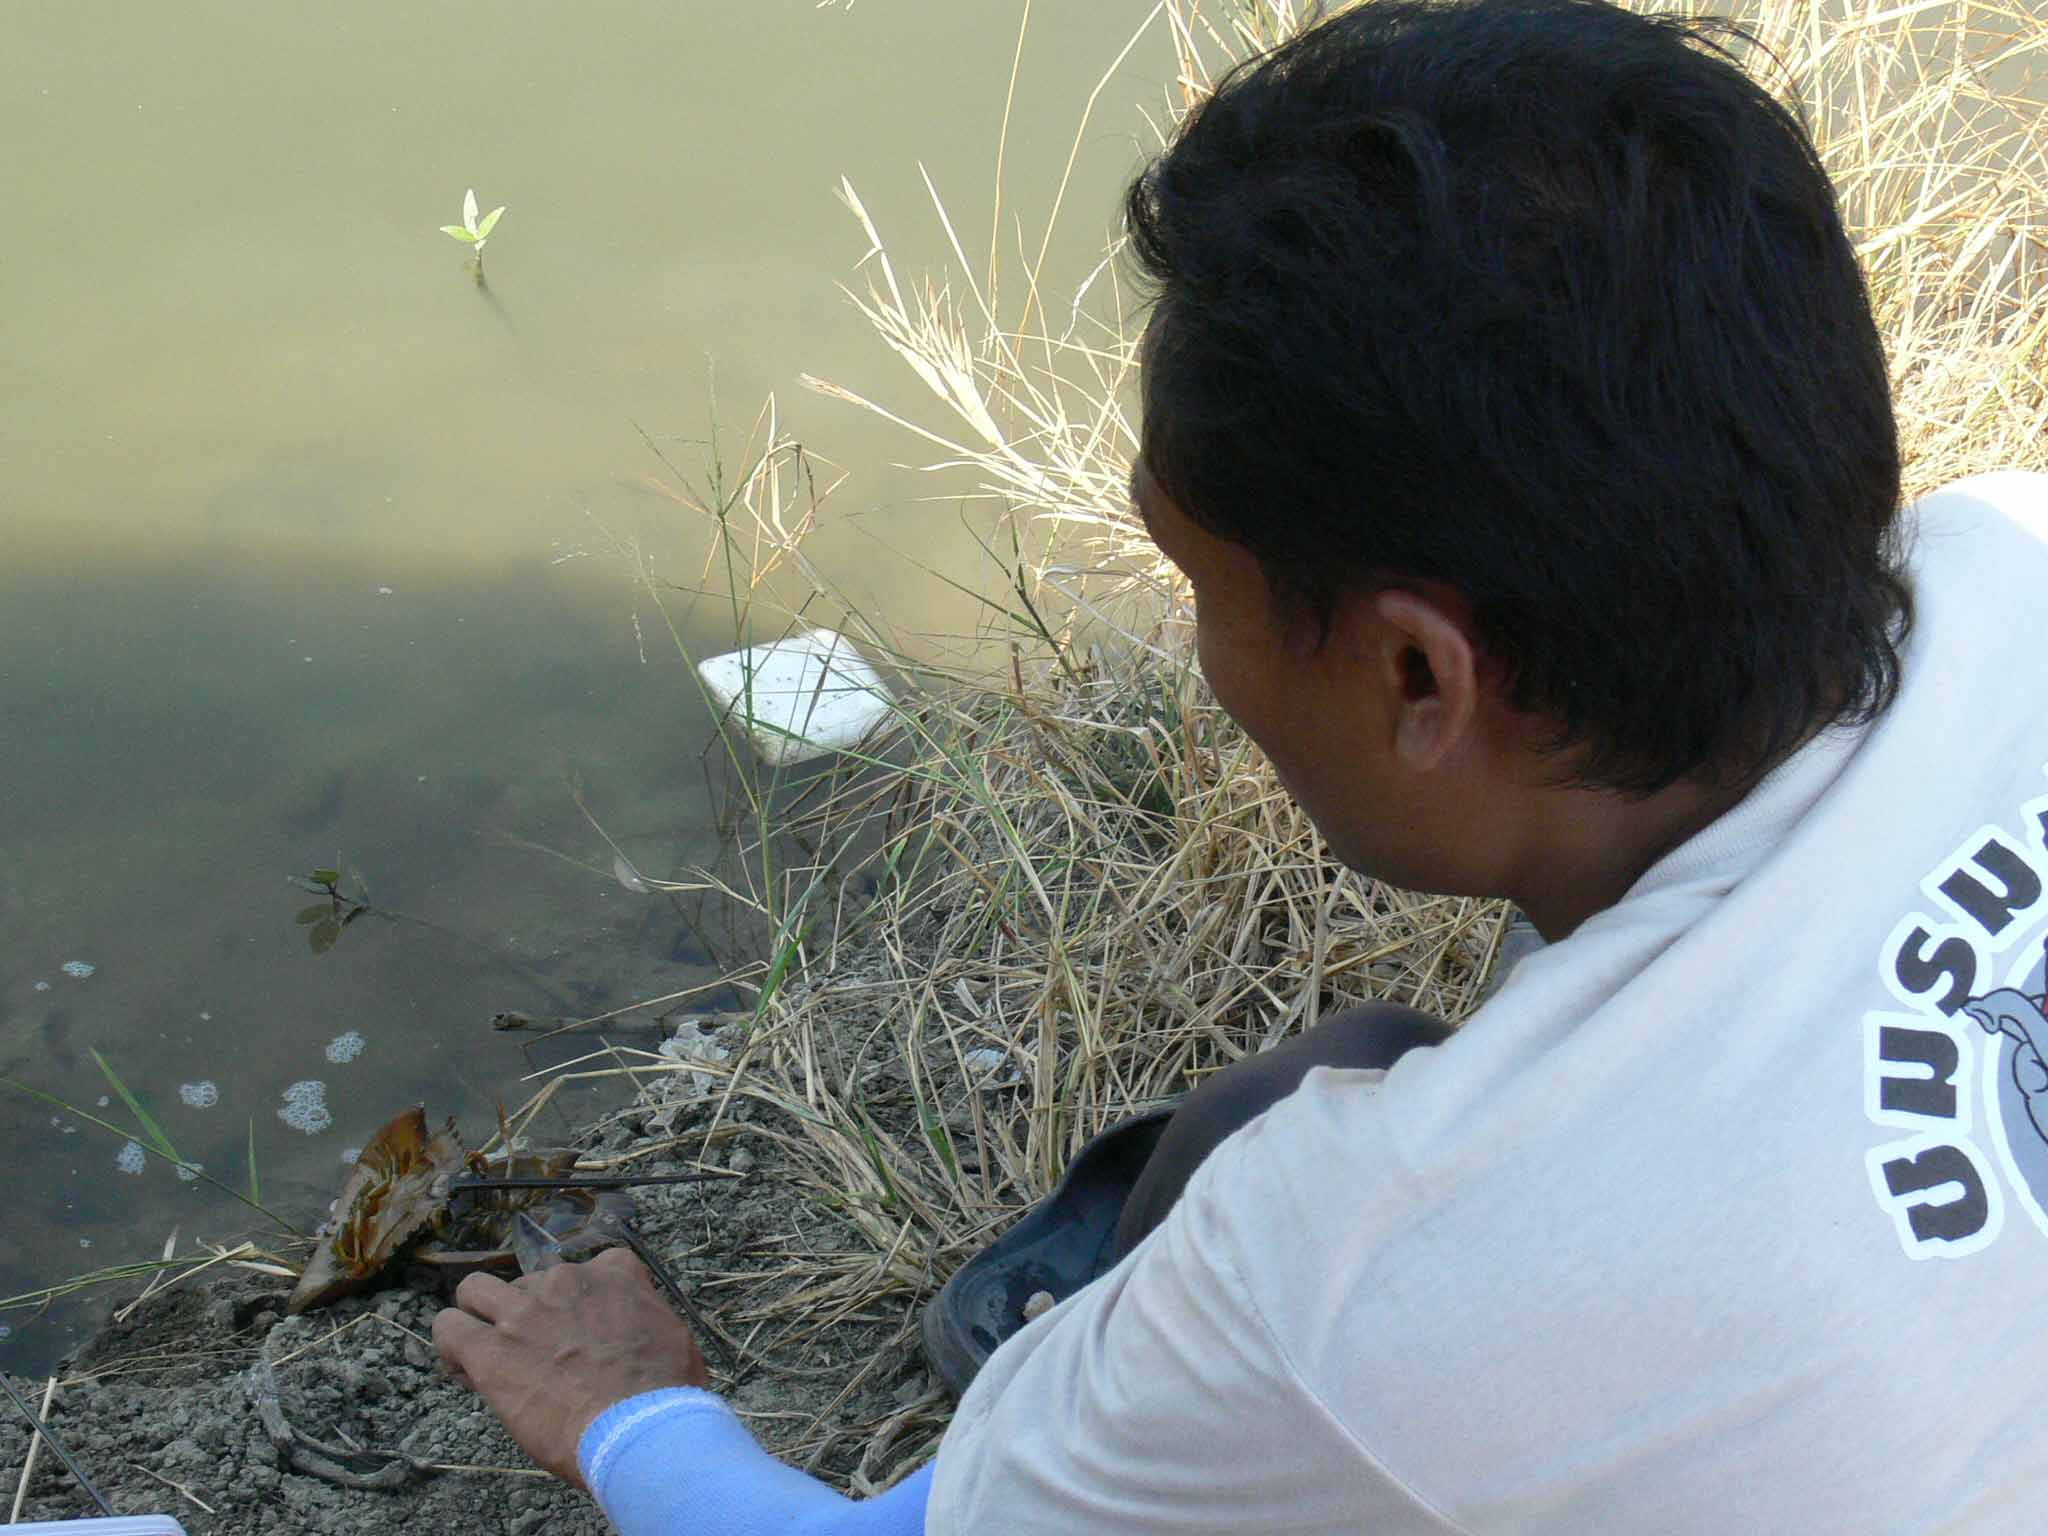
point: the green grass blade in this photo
(940, 1140)
(152, 1132)
(170, 1157)
(890, 1200)
(796, 929)
(44, 1295)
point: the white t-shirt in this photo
(1728, 1213)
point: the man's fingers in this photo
(623, 1261)
(457, 1336)
(484, 1296)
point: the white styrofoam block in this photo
(801, 697)
(120, 1525)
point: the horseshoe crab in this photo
(517, 1231)
(404, 1200)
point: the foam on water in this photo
(77, 968)
(131, 1158)
(305, 1107)
(200, 1095)
(345, 1047)
(351, 1155)
(187, 1172)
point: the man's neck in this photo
(1581, 850)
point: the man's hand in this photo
(550, 1352)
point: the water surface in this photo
(307, 552)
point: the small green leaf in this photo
(459, 233)
(327, 877)
(486, 224)
(314, 913)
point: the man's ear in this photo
(1423, 652)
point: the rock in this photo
(911, 1388)
(1041, 1302)
(692, 1042)
(741, 1161)
(990, 1067)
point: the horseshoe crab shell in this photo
(400, 1202)
(397, 1190)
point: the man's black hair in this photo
(1549, 302)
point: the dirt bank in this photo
(161, 1410)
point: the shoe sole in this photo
(1058, 1246)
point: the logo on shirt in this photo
(1959, 1072)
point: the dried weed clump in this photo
(1089, 888)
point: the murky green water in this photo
(300, 547)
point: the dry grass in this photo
(1083, 865)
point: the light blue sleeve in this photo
(679, 1461)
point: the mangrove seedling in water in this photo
(472, 231)
(324, 920)
(343, 901)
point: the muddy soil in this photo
(159, 1410)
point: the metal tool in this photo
(56, 1445)
(580, 1181)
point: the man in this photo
(1514, 408)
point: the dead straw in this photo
(182, 1491)
(35, 1445)
(39, 1434)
